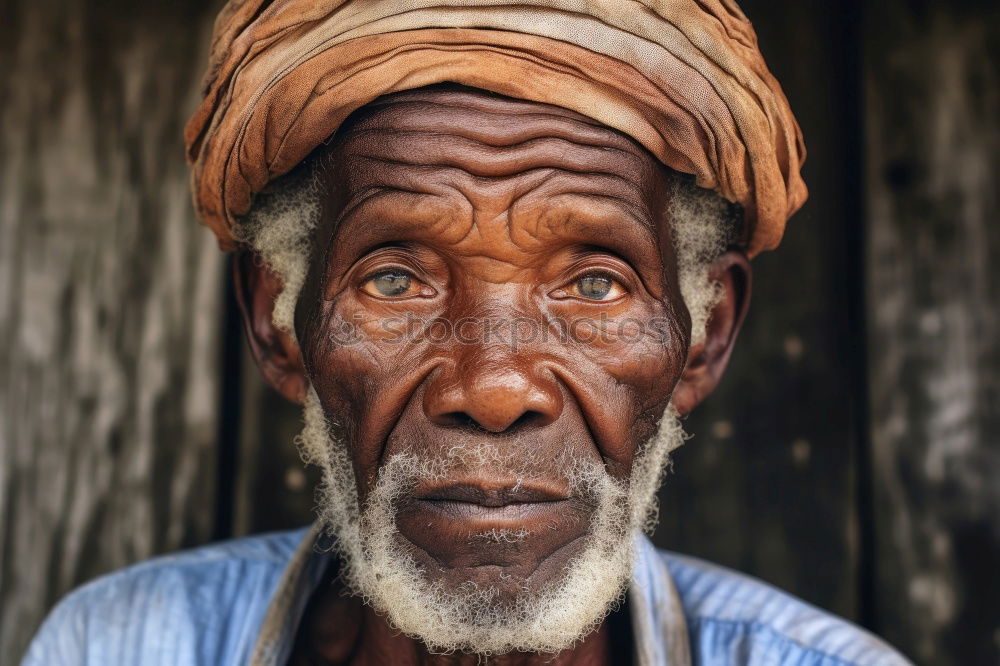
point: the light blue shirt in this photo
(240, 602)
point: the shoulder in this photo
(736, 619)
(201, 606)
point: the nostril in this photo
(529, 418)
(457, 419)
(463, 420)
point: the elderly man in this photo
(495, 250)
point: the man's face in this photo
(489, 333)
(495, 289)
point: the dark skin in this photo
(467, 207)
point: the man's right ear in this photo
(276, 352)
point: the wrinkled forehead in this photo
(489, 136)
(449, 150)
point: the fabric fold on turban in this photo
(684, 78)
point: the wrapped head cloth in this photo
(684, 78)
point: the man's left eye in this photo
(595, 287)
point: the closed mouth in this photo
(490, 495)
(492, 505)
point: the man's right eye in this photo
(392, 284)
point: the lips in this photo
(490, 495)
(477, 505)
(469, 523)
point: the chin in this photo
(509, 542)
(511, 550)
(534, 569)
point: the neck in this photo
(342, 631)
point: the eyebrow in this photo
(618, 226)
(379, 214)
(378, 207)
(629, 208)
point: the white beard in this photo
(472, 618)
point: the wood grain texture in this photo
(933, 171)
(109, 294)
(273, 489)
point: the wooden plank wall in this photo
(849, 457)
(768, 484)
(109, 299)
(932, 83)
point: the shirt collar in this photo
(659, 629)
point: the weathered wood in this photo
(109, 298)
(767, 484)
(273, 489)
(933, 169)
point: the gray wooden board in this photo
(109, 294)
(932, 81)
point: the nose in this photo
(496, 396)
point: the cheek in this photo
(649, 356)
(364, 365)
(625, 365)
(640, 347)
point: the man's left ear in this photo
(276, 352)
(707, 360)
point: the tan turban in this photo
(682, 77)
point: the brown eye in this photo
(391, 284)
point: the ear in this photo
(707, 360)
(276, 352)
